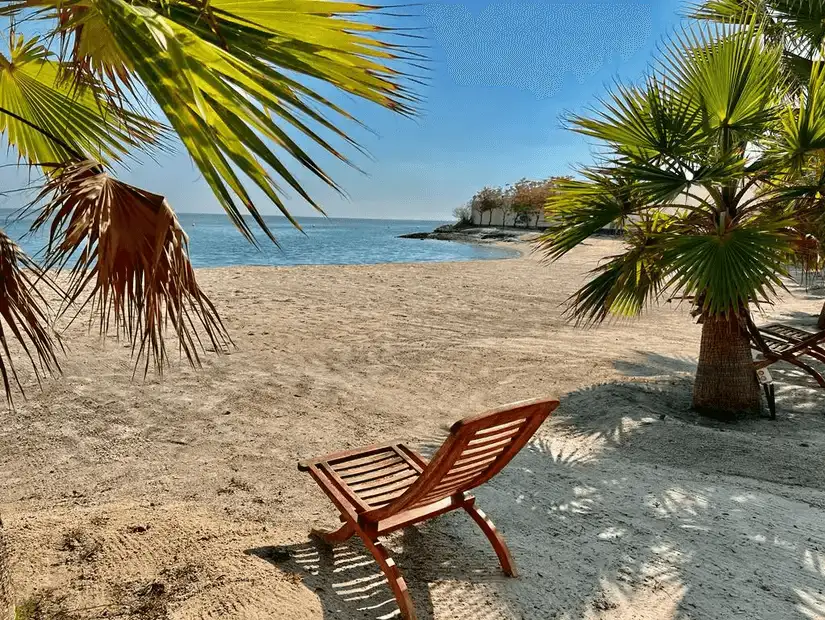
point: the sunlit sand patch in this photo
(811, 604)
(814, 562)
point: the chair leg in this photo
(495, 538)
(819, 378)
(396, 581)
(770, 395)
(334, 537)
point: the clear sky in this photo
(500, 77)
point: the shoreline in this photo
(519, 249)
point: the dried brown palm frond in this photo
(127, 257)
(23, 316)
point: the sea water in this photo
(215, 242)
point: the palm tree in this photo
(236, 82)
(799, 27)
(699, 167)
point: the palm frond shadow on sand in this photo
(625, 500)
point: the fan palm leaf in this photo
(578, 209)
(47, 120)
(731, 267)
(803, 124)
(735, 78)
(131, 262)
(651, 122)
(796, 24)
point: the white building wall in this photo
(496, 217)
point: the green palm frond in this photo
(798, 68)
(47, 120)
(795, 24)
(578, 209)
(734, 11)
(731, 267)
(627, 283)
(804, 18)
(233, 78)
(737, 12)
(655, 121)
(666, 185)
(803, 124)
(736, 78)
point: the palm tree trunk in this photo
(725, 377)
(821, 322)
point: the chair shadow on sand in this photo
(615, 504)
(351, 586)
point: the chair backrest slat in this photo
(476, 450)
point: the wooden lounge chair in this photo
(383, 488)
(783, 343)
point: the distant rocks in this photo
(470, 234)
(418, 235)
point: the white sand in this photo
(165, 499)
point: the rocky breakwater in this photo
(473, 234)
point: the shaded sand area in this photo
(181, 499)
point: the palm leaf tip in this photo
(23, 318)
(127, 245)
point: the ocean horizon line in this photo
(11, 210)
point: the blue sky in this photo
(501, 75)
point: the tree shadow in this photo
(625, 502)
(797, 392)
(656, 365)
(795, 318)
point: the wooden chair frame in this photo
(382, 488)
(784, 343)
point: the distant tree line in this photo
(524, 199)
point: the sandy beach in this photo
(180, 498)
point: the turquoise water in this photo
(214, 242)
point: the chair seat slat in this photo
(365, 480)
(347, 469)
(385, 498)
(357, 461)
(392, 485)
